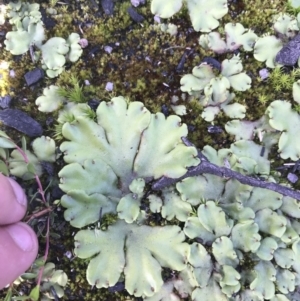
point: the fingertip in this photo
(23, 236)
(13, 201)
(18, 249)
(18, 191)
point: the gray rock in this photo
(264, 73)
(118, 287)
(21, 121)
(5, 101)
(108, 7)
(212, 62)
(33, 76)
(289, 53)
(292, 177)
(134, 15)
(214, 129)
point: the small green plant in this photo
(69, 114)
(214, 90)
(51, 285)
(292, 9)
(73, 93)
(53, 2)
(125, 155)
(282, 81)
(263, 99)
(297, 108)
(27, 27)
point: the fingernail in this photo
(21, 236)
(19, 193)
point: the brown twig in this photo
(206, 167)
(38, 214)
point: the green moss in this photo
(291, 10)
(297, 108)
(73, 92)
(263, 99)
(256, 14)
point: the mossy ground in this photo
(142, 67)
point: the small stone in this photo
(83, 43)
(5, 101)
(21, 122)
(135, 3)
(94, 103)
(292, 177)
(174, 99)
(264, 73)
(134, 15)
(108, 49)
(157, 19)
(68, 254)
(212, 62)
(289, 53)
(12, 73)
(34, 76)
(214, 129)
(165, 110)
(109, 86)
(119, 286)
(108, 6)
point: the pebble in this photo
(21, 122)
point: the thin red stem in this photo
(41, 191)
(46, 252)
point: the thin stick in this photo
(206, 167)
(46, 252)
(41, 190)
